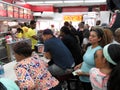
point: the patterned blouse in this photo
(32, 73)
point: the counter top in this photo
(10, 48)
(13, 42)
(9, 70)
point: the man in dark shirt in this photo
(56, 51)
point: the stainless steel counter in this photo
(10, 48)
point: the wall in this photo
(57, 19)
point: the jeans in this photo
(56, 70)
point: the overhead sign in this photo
(74, 18)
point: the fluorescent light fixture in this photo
(53, 2)
(86, 1)
(73, 1)
(95, 1)
(40, 2)
(20, 3)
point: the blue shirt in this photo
(88, 62)
(60, 54)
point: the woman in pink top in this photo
(106, 75)
(31, 72)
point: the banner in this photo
(74, 18)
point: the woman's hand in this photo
(82, 73)
(78, 66)
(47, 55)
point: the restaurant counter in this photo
(9, 70)
(10, 48)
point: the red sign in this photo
(3, 11)
(10, 10)
(29, 14)
(16, 9)
(21, 12)
(73, 18)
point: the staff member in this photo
(31, 34)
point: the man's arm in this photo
(47, 55)
(35, 37)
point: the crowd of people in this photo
(95, 52)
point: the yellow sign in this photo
(73, 18)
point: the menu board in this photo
(16, 9)
(21, 13)
(25, 13)
(3, 11)
(10, 10)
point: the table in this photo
(9, 70)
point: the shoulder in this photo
(97, 48)
(92, 70)
(23, 62)
(89, 47)
(29, 29)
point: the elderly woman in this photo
(31, 72)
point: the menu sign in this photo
(3, 11)
(10, 10)
(21, 13)
(73, 18)
(16, 9)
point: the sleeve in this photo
(46, 47)
(24, 79)
(92, 70)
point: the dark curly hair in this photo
(22, 48)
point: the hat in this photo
(47, 31)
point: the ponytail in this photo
(114, 79)
(112, 54)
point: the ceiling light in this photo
(53, 1)
(40, 2)
(94, 1)
(73, 1)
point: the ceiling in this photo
(62, 3)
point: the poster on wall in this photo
(16, 12)
(10, 10)
(73, 18)
(3, 11)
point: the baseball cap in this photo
(47, 31)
